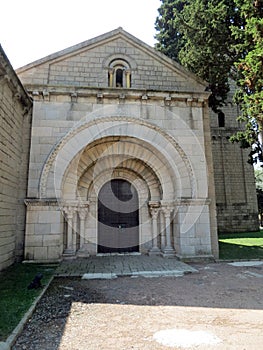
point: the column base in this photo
(154, 251)
(168, 253)
(83, 253)
(69, 254)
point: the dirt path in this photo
(221, 307)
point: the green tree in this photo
(249, 94)
(197, 34)
(219, 40)
(169, 35)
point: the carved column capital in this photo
(83, 209)
(167, 210)
(154, 208)
(154, 212)
(83, 213)
(69, 211)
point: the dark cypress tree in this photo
(198, 35)
(249, 94)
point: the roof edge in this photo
(70, 49)
(13, 79)
(118, 31)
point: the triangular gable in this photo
(40, 68)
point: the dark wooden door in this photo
(118, 217)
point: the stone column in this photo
(111, 72)
(69, 211)
(162, 229)
(154, 210)
(75, 230)
(128, 78)
(82, 211)
(168, 250)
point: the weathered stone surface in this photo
(15, 124)
(158, 139)
(234, 178)
(149, 125)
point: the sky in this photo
(30, 29)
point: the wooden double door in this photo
(118, 217)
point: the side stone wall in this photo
(15, 126)
(235, 189)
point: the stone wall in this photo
(74, 98)
(57, 114)
(74, 101)
(15, 124)
(234, 178)
(88, 63)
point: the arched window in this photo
(221, 119)
(119, 74)
(119, 77)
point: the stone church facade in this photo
(121, 158)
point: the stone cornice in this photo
(186, 202)
(41, 202)
(192, 201)
(83, 204)
(45, 92)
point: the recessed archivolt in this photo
(117, 153)
(89, 131)
(129, 175)
(103, 155)
(137, 172)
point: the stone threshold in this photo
(146, 274)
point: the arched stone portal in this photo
(115, 160)
(173, 209)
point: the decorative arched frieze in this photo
(125, 174)
(87, 132)
(153, 187)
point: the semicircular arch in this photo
(139, 170)
(176, 161)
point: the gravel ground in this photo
(218, 308)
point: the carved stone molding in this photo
(86, 124)
(154, 208)
(41, 202)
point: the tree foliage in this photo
(249, 94)
(218, 40)
(197, 34)
(170, 37)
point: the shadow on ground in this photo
(216, 286)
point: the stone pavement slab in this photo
(112, 266)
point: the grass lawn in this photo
(15, 298)
(248, 245)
